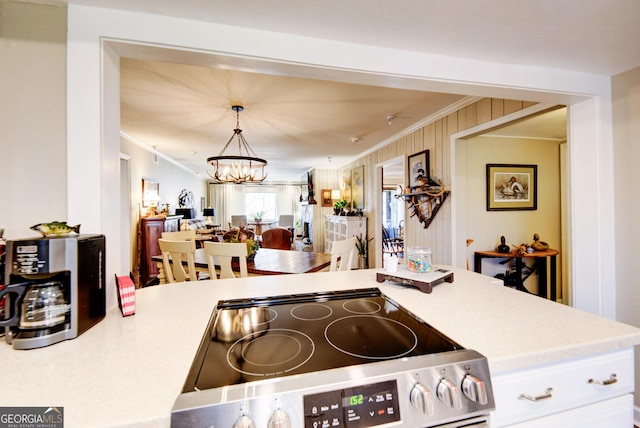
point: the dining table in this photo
(268, 261)
(258, 225)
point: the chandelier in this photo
(246, 167)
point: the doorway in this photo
(538, 138)
(392, 210)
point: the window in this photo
(260, 202)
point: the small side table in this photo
(540, 260)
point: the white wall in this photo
(33, 149)
(171, 179)
(626, 116)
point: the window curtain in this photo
(228, 200)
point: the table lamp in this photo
(208, 213)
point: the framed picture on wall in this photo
(357, 187)
(512, 187)
(150, 192)
(346, 186)
(326, 198)
(418, 169)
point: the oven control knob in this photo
(279, 419)
(422, 399)
(244, 422)
(449, 394)
(474, 389)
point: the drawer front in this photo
(543, 390)
(617, 412)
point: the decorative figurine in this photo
(539, 245)
(55, 228)
(503, 248)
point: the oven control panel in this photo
(356, 407)
(452, 388)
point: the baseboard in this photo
(636, 416)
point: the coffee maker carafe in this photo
(56, 287)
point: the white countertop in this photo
(128, 371)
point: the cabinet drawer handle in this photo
(613, 379)
(547, 394)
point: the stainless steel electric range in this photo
(348, 359)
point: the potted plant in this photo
(257, 216)
(246, 236)
(362, 245)
(339, 205)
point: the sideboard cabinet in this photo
(339, 228)
(151, 229)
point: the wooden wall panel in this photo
(472, 115)
(497, 108)
(434, 137)
(511, 106)
(483, 112)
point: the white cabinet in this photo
(339, 228)
(616, 412)
(571, 390)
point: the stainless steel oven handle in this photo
(612, 379)
(547, 394)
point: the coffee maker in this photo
(56, 289)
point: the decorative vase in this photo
(362, 261)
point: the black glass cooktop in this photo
(249, 340)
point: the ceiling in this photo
(184, 111)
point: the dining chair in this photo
(223, 252)
(181, 235)
(238, 221)
(285, 220)
(175, 251)
(277, 237)
(342, 251)
(391, 245)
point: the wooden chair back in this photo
(176, 251)
(342, 254)
(393, 246)
(223, 252)
(181, 235)
(277, 237)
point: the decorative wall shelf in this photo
(425, 204)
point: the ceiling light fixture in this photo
(246, 167)
(390, 120)
(355, 139)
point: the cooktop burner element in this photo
(310, 351)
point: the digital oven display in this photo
(357, 407)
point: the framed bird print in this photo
(417, 169)
(512, 187)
